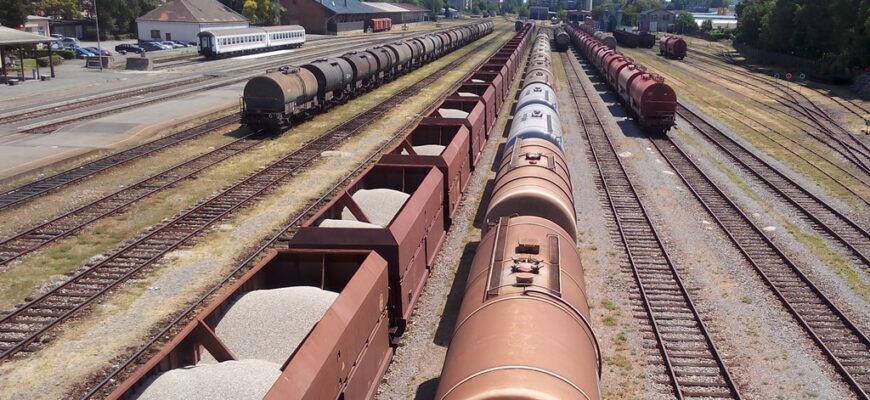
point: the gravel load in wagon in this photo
(427, 150)
(452, 113)
(379, 205)
(229, 380)
(269, 324)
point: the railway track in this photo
(220, 76)
(823, 217)
(34, 238)
(694, 366)
(22, 328)
(45, 185)
(105, 385)
(839, 339)
(838, 139)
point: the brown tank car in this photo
(523, 329)
(533, 179)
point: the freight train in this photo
(282, 96)
(523, 328)
(561, 38)
(673, 47)
(361, 260)
(603, 37)
(650, 99)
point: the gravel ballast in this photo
(246, 379)
(269, 324)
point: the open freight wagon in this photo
(332, 359)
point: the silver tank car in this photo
(523, 329)
(538, 93)
(536, 121)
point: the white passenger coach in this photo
(229, 42)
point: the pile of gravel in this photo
(466, 94)
(379, 205)
(477, 81)
(861, 86)
(269, 324)
(341, 223)
(452, 113)
(427, 150)
(230, 380)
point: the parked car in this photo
(151, 46)
(129, 48)
(171, 44)
(70, 42)
(95, 50)
(180, 43)
(57, 36)
(82, 53)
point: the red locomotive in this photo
(673, 47)
(647, 95)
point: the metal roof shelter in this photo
(200, 11)
(13, 38)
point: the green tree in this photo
(523, 12)
(434, 6)
(235, 5)
(685, 24)
(707, 25)
(250, 11)
(13, 13)
(60, 8)
(562, 15)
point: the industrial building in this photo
(185, 19)
(330, 17)
(655, 20)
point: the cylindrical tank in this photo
(332, 74)
(402, 52)
(364, 65)
(386, 59)
(625, 77)
(561, 38)
(607, 39)
(535, 121)
(436, 43)
(533, 179)
(518, 25)
(271, 92)
(445, 41)
(652, 96)
(523, 328)
(427, 46)
(539, 75)
(538, 93)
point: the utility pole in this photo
(99, 46)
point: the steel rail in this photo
(840, 340)
(44, 185)
(282, 236)
(694, 365)
(26, 324)
(64, 225)
(823, 217)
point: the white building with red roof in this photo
(185, 19)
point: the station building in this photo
(185, 19)
(655, 20)
(330, 17)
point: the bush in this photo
(43, 61)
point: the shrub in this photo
(43, 61)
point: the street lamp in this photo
(99, 46)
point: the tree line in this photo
(834, 32)
(117, 17)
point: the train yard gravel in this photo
(379, 205)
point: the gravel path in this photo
(768, 354)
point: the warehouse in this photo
(185, 19)
(331, 17)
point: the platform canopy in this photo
(9, 36)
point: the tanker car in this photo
(523, 327)
(673, 47)
(282, 96)
(648, 97)
(604, 37)
(363, 257)
(561, 38)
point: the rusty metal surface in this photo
(454, 161)
(533, 179)
(523, 330)
(409, 243)
(475, 121)
(359, 276)
(486, 94)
